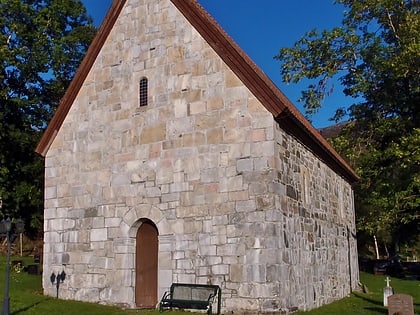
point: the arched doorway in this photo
(146, 265)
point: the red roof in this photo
(284, 112)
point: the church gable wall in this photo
(237, 202)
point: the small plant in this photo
(17, 268)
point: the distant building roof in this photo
(332, 131)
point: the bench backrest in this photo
(193, 292)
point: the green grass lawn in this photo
(26, 298)
(370, 303)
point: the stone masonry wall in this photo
(236, 201)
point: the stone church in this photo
(173, 158)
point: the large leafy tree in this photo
(375, 54)
(41, 45)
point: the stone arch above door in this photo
(133, 219)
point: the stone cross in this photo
(388, 291)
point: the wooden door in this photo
(146, 265)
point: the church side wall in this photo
(298, 245)
(317, 227)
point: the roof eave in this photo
(318, 145)
(243, 66)
(80, 76)
(248, 72)
(262, 87)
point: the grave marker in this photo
(388, 291)
(400, 304)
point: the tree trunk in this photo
(376, 247)
(386, 250)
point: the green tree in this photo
(41, 45)
(375, 54)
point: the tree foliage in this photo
(375, 54)
(41, 45)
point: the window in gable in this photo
(143, 92)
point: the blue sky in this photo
(261, 28)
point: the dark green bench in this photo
(191, 296)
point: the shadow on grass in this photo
(379, 309)
(376, 310)
(24, 309)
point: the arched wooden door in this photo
(146, 265)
